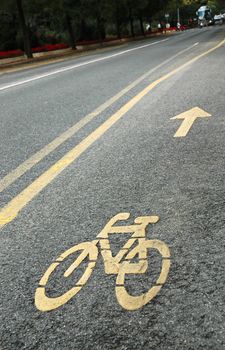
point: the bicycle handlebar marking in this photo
(119, 265)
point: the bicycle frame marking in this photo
(112, 265)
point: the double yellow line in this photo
(11, 210)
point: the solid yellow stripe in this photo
(59, 140)
(11, 210)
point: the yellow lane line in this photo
(11, 210)
(59, 140)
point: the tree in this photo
(130, 6)
(70, 31)
(25, 29)
(96, 11)
(44, 21)
(16, 8)
(65, 11)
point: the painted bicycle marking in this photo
(120, 265)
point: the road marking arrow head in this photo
(189, 119)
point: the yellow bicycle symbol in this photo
(119, 265)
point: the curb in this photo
(60, 55)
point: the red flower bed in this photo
(11, 53)
(44, 48)
(171, 28)
(91, 42)
(49, 47)
(182, 27)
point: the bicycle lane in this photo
(137, 167)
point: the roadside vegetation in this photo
(29, 26)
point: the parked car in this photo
(218, 19)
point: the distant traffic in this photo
(206, 18)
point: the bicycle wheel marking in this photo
(128, 301)
(120, 265)
(45, 303)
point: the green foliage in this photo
(51, 21)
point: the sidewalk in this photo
(43, 58)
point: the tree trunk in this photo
(118, 30)
(70, 31)
(131, 20)
(82, 30)
(101, 28)
(25, 30)
(142, 25)
(118, 26)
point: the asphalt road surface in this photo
(139, 130)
